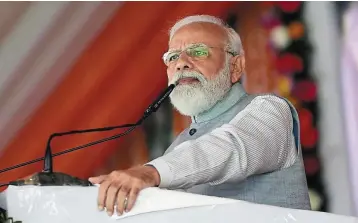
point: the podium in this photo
(67, 204)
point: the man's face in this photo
(197, 59)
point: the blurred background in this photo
(78, 65)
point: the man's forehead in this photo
(197, 33)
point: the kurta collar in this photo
(232, 97)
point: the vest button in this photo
(192, 131)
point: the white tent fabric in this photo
(349, 83)
(39, 42)
(324, 34)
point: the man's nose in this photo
(183, 64)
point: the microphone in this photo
(49, 178)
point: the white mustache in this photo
(192, 74)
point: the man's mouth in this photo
(188, 80)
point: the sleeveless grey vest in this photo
(283, 188)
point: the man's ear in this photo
(237, 67)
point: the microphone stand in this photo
(49, 178)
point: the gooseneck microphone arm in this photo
(48, 164)
(64, 152)
(48, 167)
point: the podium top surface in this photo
(34, 204)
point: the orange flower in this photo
(296, 30)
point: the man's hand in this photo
(123, 187)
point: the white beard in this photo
(193, 99)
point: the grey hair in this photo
(234, 43)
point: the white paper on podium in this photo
(31, 204)
(155, 199)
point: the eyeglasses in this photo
(196, 51)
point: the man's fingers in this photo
(111, 198)
(121, 188)
(102, 193)
(132, 198)
(121, 199)
(97, 180)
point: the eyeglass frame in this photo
(233, 53)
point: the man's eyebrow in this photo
(196, 44)
(187, 46)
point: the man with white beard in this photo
(238, 146)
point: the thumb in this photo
(98, 179)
